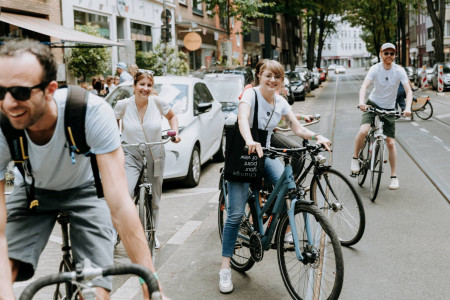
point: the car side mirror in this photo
(204, 107)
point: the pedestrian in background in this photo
(109, 84)
(141, 116)
(133, 69)
(122, 71)
(116, 80)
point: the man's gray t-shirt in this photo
(282, 108)
(386, 84)
(125, 76)
(51, 163)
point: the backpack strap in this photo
(18, 147)
(74, 127)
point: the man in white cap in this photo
(123, 74)
(386, 76)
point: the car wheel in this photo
(193, 177)
(220, 155)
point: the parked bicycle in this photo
(422, 107)
(81, 279)
(330, 190)
(143, 192)
(372, 155)
(308, 249)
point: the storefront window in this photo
(142, 36)
(83, 18)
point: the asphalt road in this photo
(404, 253)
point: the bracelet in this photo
(301, 118)
(314, 136)
(142, 281)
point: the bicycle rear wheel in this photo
(376, 170)
(321, 274)
(425, 112)
(364, 160)
(242, 260)
(146, 216)
(336, 197)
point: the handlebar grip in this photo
(35, 286)
(140, 271)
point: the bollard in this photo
(440, 79)
(424, 78)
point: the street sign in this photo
(166, 14)
(192, 41)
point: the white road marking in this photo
(438, 139)
(128, 290)
(442, 116)
(181, 236)
(215, 198)
(415, 124)
(424, 130)
(191, 192)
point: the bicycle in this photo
(311, 265)
(371, 156)
(330, 190)
(82, 276)
(422, 107)
(143, 193)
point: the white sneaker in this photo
(355, 165)
(394, 183)
(157, 244)
(288, 238)
(225, 283)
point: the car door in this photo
(210, 120)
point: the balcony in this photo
(253, 35)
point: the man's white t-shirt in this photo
(386, 84)
(282, 108)
(51, 163)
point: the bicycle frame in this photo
(280, 197)
(379, 136)
(67, 261)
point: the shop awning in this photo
(60, 32)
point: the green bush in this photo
(154, 60)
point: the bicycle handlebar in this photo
(289, 151)
(316, 120)
(171, 137)
(91, 273)
(382, 111)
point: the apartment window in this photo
(354, 33)
(182, 2)
(354, 46)
(83, 18)
(197, 7)
(360, 46)
(329, 46)
(223, 22)
(447, 25)
(430, 33)
(142, 37)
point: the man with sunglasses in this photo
(386, 76)
(31, 100)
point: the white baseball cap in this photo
(387, 46)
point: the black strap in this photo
(74, 126)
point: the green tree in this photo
(436, 9)
(85, 61)
(238, 10)
(176, 61)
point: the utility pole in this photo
(166, 29)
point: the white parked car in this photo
(200, 117)
(339, 69)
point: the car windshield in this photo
(225, 89)
(175, 94)
(294, 76)
(446, 69)
(120, 93)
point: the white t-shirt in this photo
(132, 130)
(386, 84)
(282, 108)
(51, 163)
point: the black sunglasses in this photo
(389, 53)
(20, 93)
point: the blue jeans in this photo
(237, 198)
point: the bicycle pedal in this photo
(353, 174)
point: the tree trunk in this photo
(311, 42)
(290, 35)
(322, 37)
(438, 24)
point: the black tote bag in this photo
(239, 166)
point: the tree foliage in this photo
(438, 19)
(238, 10)
(176, 61)
(87, 62)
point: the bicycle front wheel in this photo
(364, 160)
(425, 112)
(336, 197)
(321, 273)
(146, 216)
(242, 260)
(376, 169)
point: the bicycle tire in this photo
(242, 260)
(364, 158)
(346, 213)
(377, 170)
(146, 216)
(326, 265)
(425, 112)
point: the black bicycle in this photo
(143, 193)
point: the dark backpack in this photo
(74, 127)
